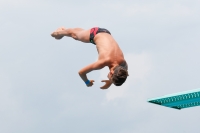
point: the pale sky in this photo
(41, 91)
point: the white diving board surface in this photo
(180, 100)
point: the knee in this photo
(74, 36)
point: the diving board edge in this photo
(179, 100)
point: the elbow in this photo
(80, 73)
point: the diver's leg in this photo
(76, 33)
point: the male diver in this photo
(109, 52)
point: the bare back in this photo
(108, 49)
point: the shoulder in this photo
(104, 61)
(124, 65)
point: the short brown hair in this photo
(119, 76)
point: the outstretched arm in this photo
(94, 66)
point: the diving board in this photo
(180, 100)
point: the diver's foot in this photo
(58, 33)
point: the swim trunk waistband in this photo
(95, 31)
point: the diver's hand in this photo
(90, 84)
(107, 84)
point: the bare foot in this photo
(57, 34)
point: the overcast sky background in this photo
(41, 91)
